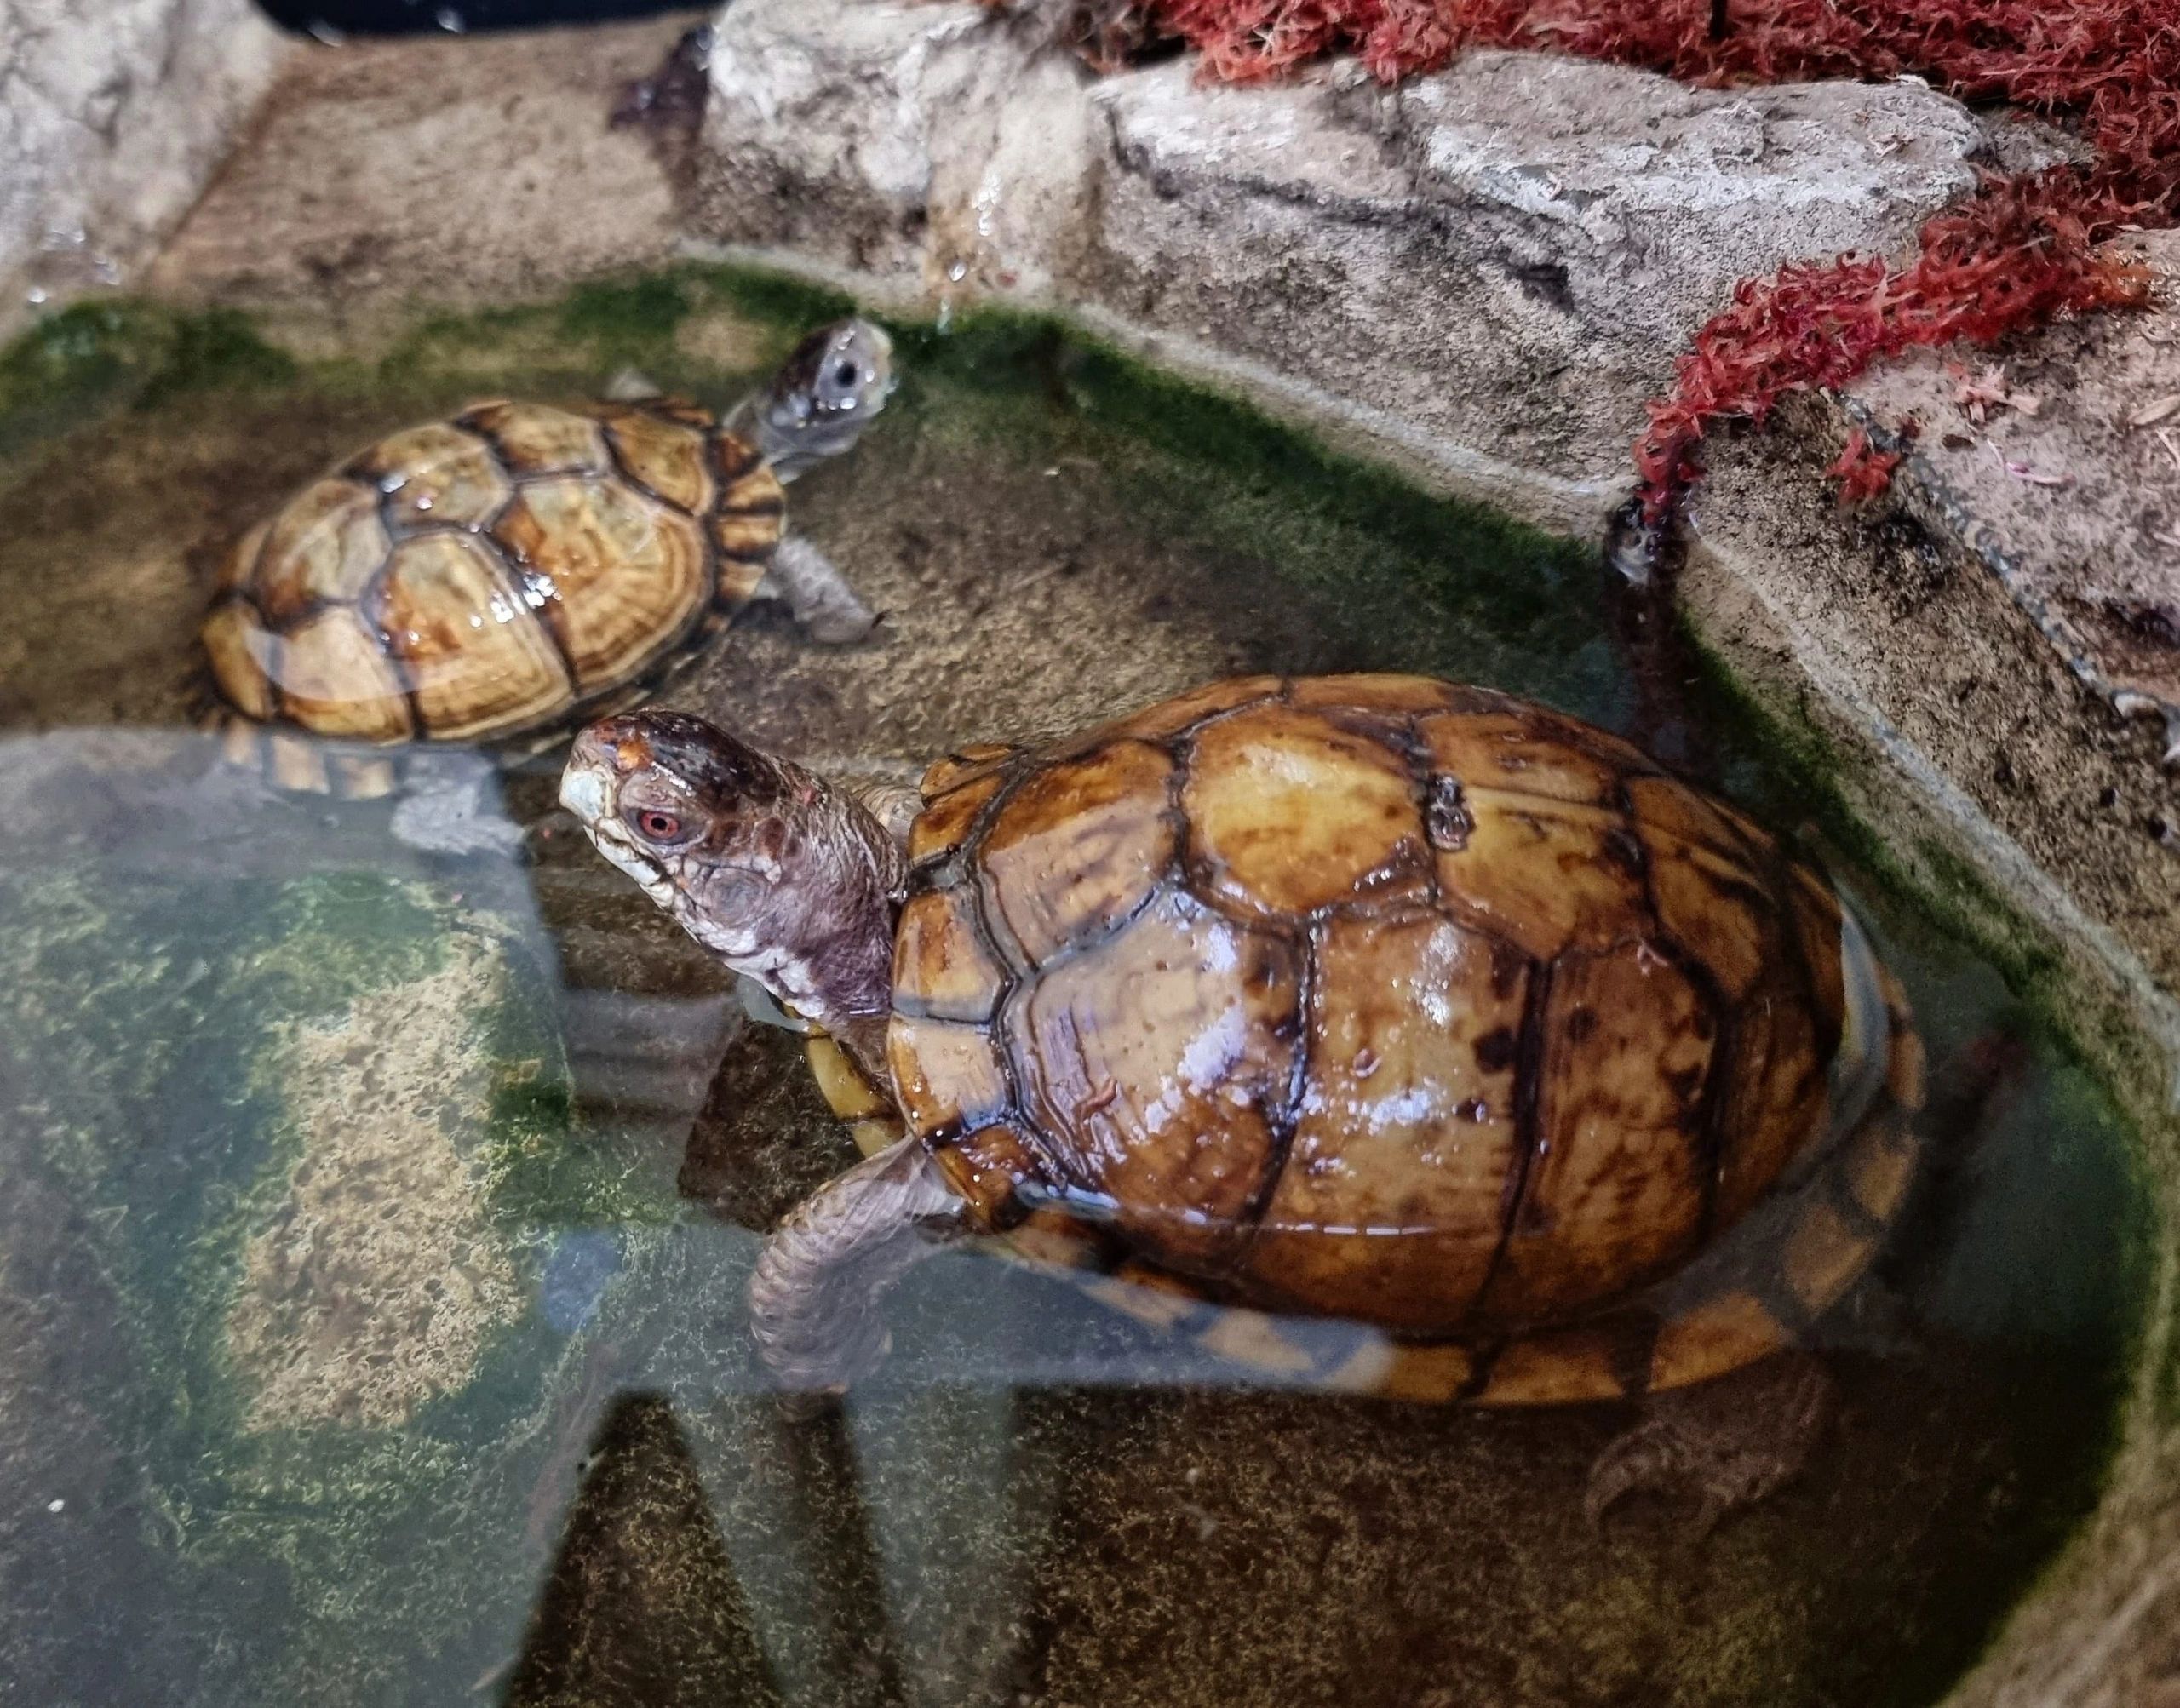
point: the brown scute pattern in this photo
(1614, 1194)
(949, 1080)
(1162, 1064)
(532, 438)
(323, 549)
(1079, 846)
(1169, 717)
(1774, 1096)
(941, 827)
(478, 662)
(508, 570)
(1392, 1199)
(617, 576)
(989, 1167)
(238, 565)
(243, 657)
(1506, 752)
(977, 761)
(663, 455)
(1289, 812)
(436, 476)
(334, 678)
(1546, 876)
(941, 969)
(1398, 693)
(1245, 1014)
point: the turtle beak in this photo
(587, 784)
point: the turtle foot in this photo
(1729, 1444)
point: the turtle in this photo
(498, 577)
(1371, 998)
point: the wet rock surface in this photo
(1499, 258)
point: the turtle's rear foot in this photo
(1729, 1443)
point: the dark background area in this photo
(403, 17)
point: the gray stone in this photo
(1491, 267)
(112, 119)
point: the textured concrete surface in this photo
(112, 118)
(474, 169)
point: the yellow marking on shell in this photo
(1249, 1337)
(842, 1083)
(946, 1075)
(299, 765)
(1879, 1164)
(618, 576)
(1287, 811)
(1432, 1374)
(1822, 1255)
(1157, 1307)
(665, 455)
(242, 743)
(1720, 1334)
(1553, 1369)
(476, 655)
(356, 777)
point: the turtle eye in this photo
(658, 825)
(846, 375)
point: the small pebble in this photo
(55, 1505)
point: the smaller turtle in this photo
(1370, 998)
(496, 578)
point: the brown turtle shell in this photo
(495, 575)
(1380, 998)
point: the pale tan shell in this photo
(492, 576)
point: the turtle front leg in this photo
(1730, 1443)
(817, 592)
(814, 1297)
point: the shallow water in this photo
(373, 1225)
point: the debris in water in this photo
(2150, 414)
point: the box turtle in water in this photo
(495, 578)
(1366, 997)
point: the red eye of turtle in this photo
(660, 826)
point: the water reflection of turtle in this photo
(498, 577)
(1368, 997)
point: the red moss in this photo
(1862, 470)
(2017, 252)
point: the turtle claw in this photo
(1729, 1444)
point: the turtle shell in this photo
(492, 576)
(1380, 998)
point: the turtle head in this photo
(824, 395)
(785, 877)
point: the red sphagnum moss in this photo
(2020, 250)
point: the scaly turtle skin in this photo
(502, 574)
(1370, 998)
